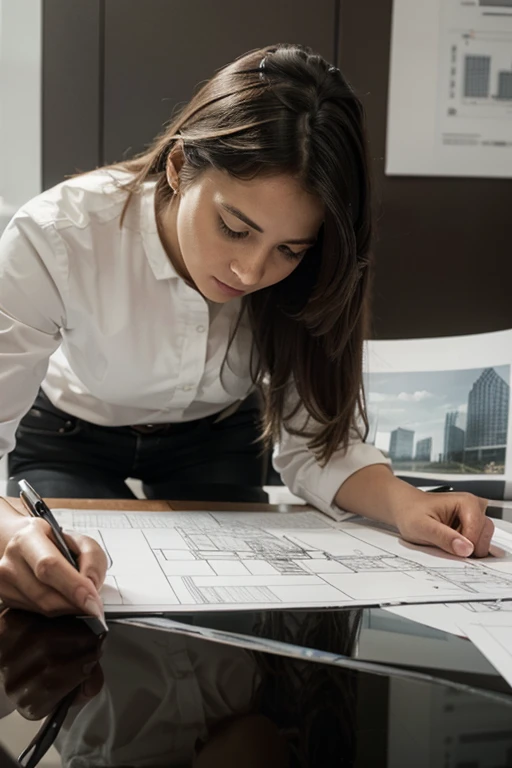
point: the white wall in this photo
(20, 104)
(20, 112)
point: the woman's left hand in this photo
(454, 522)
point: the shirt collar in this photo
(156, 255)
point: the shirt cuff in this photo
(319, 485)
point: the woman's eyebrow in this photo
(239, 215)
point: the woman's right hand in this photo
(35, 576)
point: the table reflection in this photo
(151, 698)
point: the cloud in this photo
(379, 397)
(415, 397)
(407, 397)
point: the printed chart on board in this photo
(450, 89)
(193, 561)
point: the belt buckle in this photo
(148, 429)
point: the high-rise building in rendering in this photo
(487, 422)
(453, 438)
(400, 445)
(423, 450)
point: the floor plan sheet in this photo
(493, 638)
(193, 561)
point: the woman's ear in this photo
(175, 161)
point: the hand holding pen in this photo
(452, 520)
(36, 574)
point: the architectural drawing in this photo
(190, 561)
(451, 617)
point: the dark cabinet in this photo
(155, 57)
(114, 70)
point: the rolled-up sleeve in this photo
(316, 484)
(33, 288)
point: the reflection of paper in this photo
(280, 648)
(494, 639)
(194, 561)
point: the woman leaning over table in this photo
(139, 303)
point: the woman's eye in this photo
(292, 256)
(230, 232)
(289, 254)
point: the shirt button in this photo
(200, 328)
(187, 387)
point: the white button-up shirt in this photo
(96, 314)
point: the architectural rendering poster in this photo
(441, 407)
(450, 88)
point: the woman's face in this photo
(233, 237)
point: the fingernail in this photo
(94, 608)
(462, 548)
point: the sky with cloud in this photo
(420, 401)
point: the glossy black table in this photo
(149, 697)
(392, 692)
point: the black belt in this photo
(181, 426)
(149, 429)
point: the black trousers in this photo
(63, 456)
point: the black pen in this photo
(46, 735)
(440, 489)
(38, 508)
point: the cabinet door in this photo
(157, 51)
(71, 77)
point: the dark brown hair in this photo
(283, 109)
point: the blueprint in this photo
(488, 624)
(493, 638)
(452, 617)
(193, 561)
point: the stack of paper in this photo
(184, 562)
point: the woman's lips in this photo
(227, 289)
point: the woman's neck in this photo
(166, 224)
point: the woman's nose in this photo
(249, 270)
